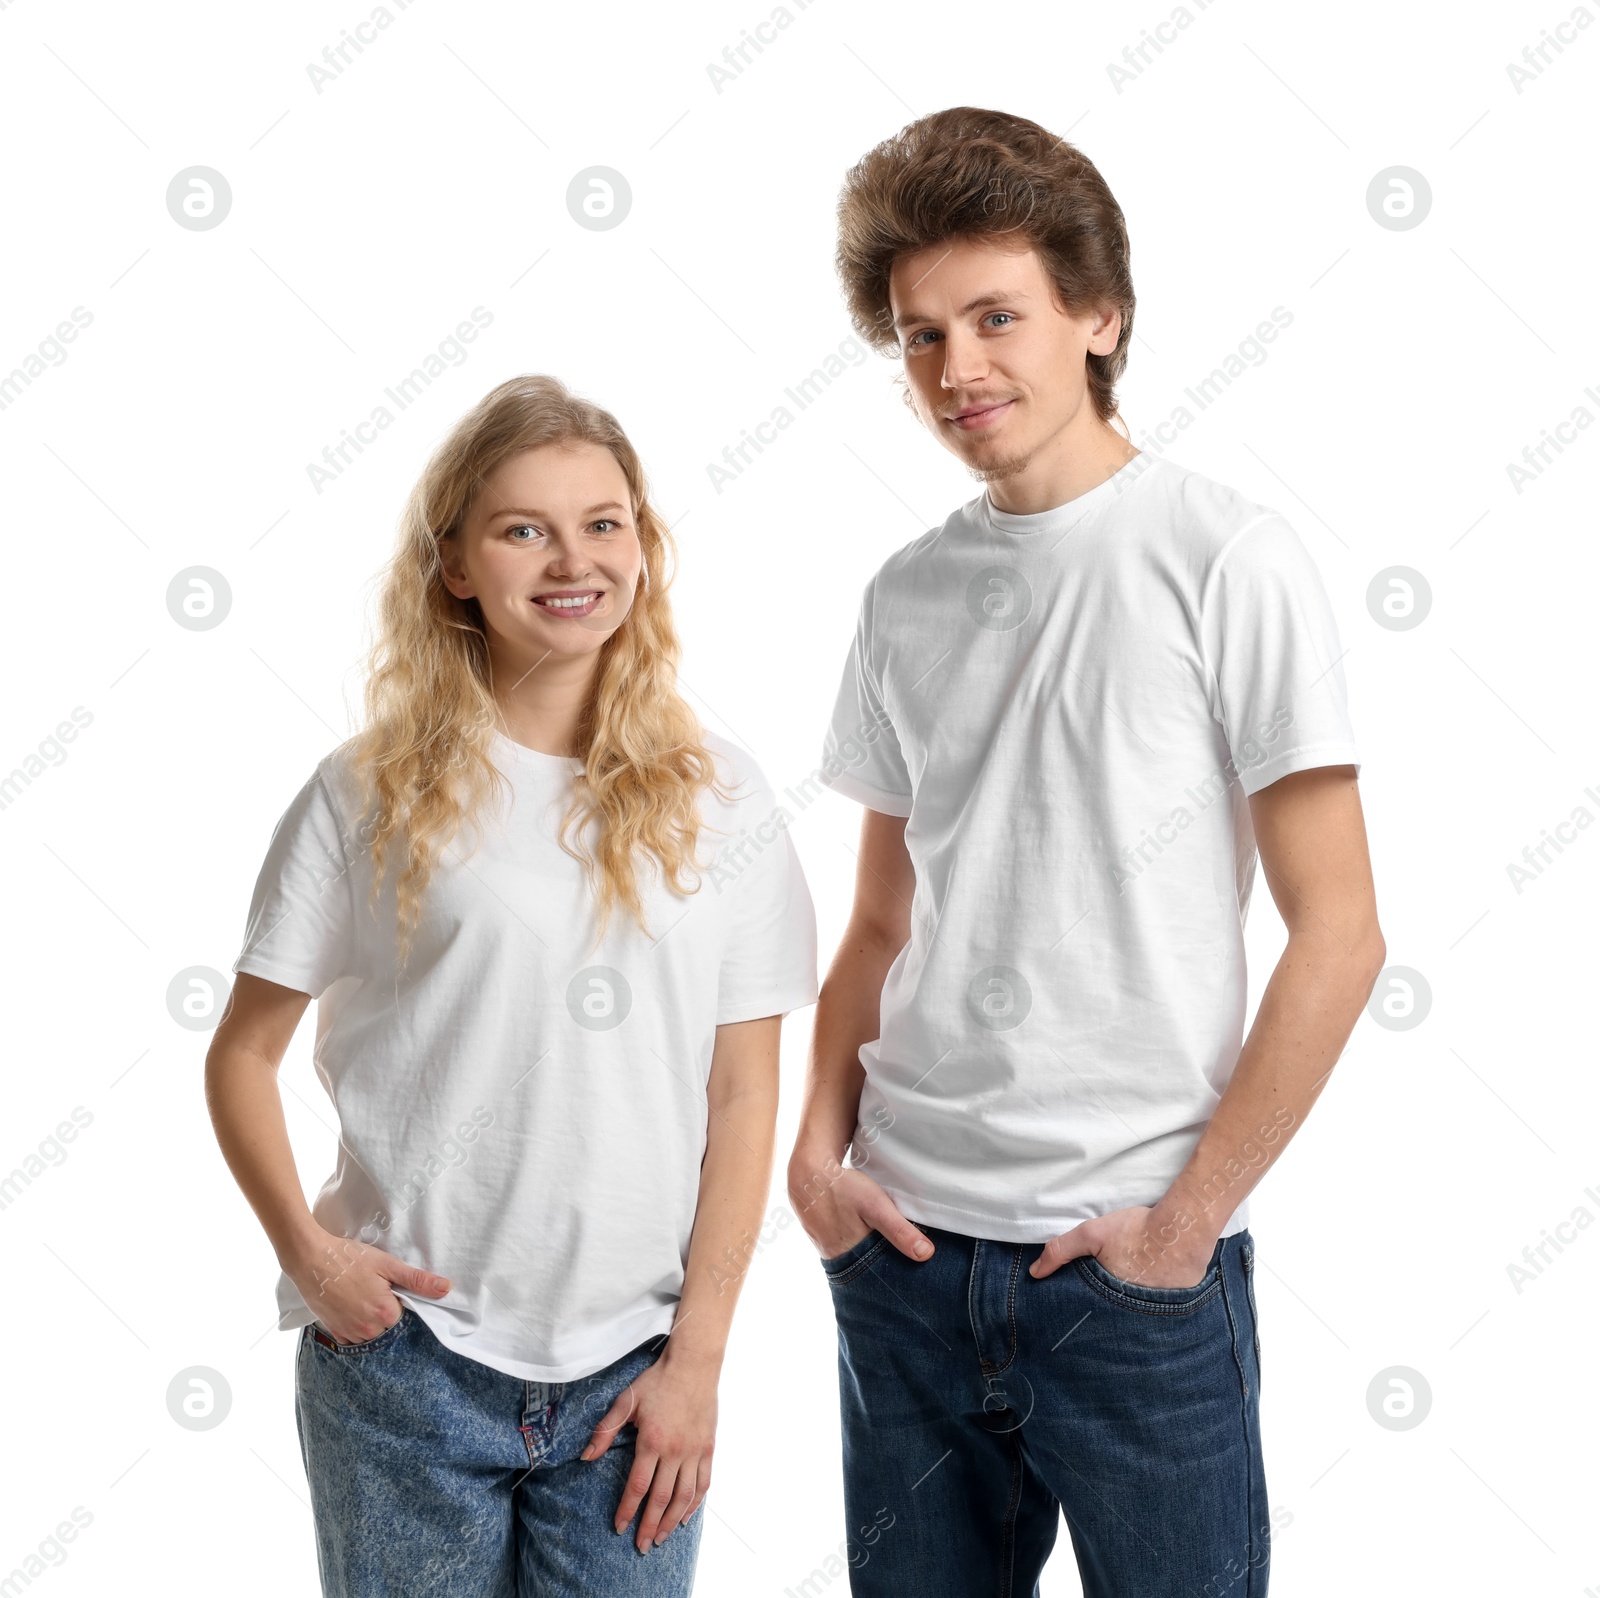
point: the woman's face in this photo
(549, 549)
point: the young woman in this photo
(552, 927)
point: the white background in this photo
(429, 178)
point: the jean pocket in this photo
(1147, 1299)
(846, 1266)
(324, 1340)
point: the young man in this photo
(1075, 712)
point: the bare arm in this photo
(343, 1281)
(1312, 843)
(674, 1402)
(836, 1206)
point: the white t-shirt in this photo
(1070, 709)
(519, 1112)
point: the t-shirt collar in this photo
(1061, 518)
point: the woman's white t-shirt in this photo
(1072, 709)
(519, 1111)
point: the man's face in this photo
(996, 368)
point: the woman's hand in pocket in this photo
(348, 1285)
(673, 1403)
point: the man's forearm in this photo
(1307, 1012)
(848, 1009)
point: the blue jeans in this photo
(435, 1476)
(978, 1402)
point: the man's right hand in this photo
(348, 1285)
(838, 1206)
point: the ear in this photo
(1107, 330)
(451, 570)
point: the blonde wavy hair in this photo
(423, 754)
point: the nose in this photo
(566, 557)
(965, 363)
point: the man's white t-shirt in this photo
(1070, 708)
(519, 1112)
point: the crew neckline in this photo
(1059, 518)
(534, 756)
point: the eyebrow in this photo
(535, 515)
(982, 301)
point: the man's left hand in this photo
(1129, 1243)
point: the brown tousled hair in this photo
(979, 174)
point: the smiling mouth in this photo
(981, 417)
(570, 605)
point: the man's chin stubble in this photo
(997, 471)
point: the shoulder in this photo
(337, 772)
(1211, 528)
(334, 792)
(1211, 515)
(736, 767)
(751, 799)
(912, 561)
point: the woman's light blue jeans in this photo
(434, 1476)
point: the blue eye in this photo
(521, 528)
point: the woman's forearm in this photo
(246, 1109)
(735, 1181)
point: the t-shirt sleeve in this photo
(1275, 658)
(301, 921)
(769, 962)
(861, 754)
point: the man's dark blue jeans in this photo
(976, 1402)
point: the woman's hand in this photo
(347, 1284)
(674, 1406)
